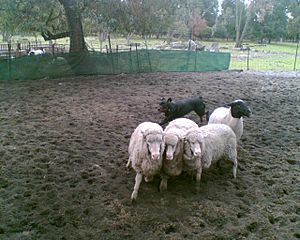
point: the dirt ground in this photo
(63, 151)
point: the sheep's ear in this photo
(202, 145)
(227, 104)
(169, 99)
(143, 133)
(181, 141)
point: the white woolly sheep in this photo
(174, 137)
(232, 116)
(209, 144)
(36, 51)
(145, 150)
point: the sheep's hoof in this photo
(148, 178)
(133, 201)
(197, 187)
(162, 188)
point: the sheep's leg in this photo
(128, 163)
(163, 183)
(233, 158)
(198, 178)
(207, 116)
(198, 175)
(234, 167)
(138, 180)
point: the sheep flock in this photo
(183, 146)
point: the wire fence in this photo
(97, 63)
(250, 57)
(134, 58)
(8, 50)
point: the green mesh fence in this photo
(140, 61)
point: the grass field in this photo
(274, 56)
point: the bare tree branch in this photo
(49, 36)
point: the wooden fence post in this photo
(18, 49)
(296, 55)
(248, 56)
(130, 59)
(52, 49)
(9, 60)
(195, 64)
(137, 56)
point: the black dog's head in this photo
(164, 105)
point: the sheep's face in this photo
(154, 145)
(192, 148)
(171, 142)
(239, 109)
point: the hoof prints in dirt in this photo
(63, 147)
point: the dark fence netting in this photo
(139, 61)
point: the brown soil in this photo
(63, 151)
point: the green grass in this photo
(274, 56)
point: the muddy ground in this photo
(63, 151)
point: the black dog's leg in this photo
(200, 112)
(163, 122)
(207, 116)
(167, 119)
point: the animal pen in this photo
(134, 60)
(58, 62)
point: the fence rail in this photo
(21, 49)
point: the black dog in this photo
(182, 107)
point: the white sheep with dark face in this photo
(145, 150)
(207, 145)
(174, 137)
(231, 116)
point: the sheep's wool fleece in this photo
(174, 135)
(138, 152)
(216, 141)
(223, 115)
(181, 123)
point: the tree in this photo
(73, 16)
(196, 15)
(225, 27)
(241, 23)
(13, 13)
(270, 20)
(294, 20)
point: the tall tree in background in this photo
(196, 15)
(270, 20)
(267, 19)
(241, 23)
(225, 27)
(47, 16)
(72, 10)
(293, 27)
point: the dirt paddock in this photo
(63, 151)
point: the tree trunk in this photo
(5, 36)
(77, 43)
(248, 18)
(240, 36)
(237, 23)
